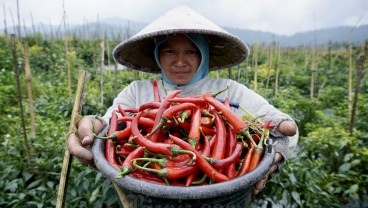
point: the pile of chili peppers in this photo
(184, 141)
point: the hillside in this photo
(119, 29)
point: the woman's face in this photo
(179, 59)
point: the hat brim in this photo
(225, 49)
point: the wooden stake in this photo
(277, 71)
(29, 88)
(255, 65)
(350, 87)
(67, 161)
(269, 67)
(314, 72)
(5, 29)
(230, 72)
(67, 53)
(16, 68)
(356, 94)
(115, 79)
(102, 56)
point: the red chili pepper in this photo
(123, 152)
(204, 129)
(128, 166)
(190, 178)
(156, 92)
(170, 173)
(213, 141)
(156, 133)
(206, 151)
(180, 160)
(170, 112)
(118, 135)
(232, 159)
(155, 147)
(200, 161)
(142, 121)
(149, 105)
(235, 121)
(131, 110)
(150, 113)
(197, 101)
(230, 148)
(110, 151)
(246, 162)
(147, 176)
(194, 133)
(206, 121)
(268, 125)
(184, 115)
(256, 158)
(218, 151)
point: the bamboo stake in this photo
(29, 89)
(255, 66)
(67, 53)
(350, 92)
(67, 161)
(16, 68)
(102, 53)
(115, 79)
(230, 72)
(239, 71)
(19, 32)
(5, 29)
(107, 49)
(25, 28)
(356, 94)
(269, 67)
(277, 71)
(313, 71)
(12, 19)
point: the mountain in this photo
(119, 29)
(320, 37)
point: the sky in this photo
(283, 17)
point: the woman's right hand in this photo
(80, 143)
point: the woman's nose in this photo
(180, 59)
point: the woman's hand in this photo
(287, 128)
(262, 182)
(80, 143)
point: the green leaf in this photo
(34, 184)
(98, 177)
(94, 195)
(292, 178)
(348, 157)
(352, 190)
(296, 197)
(12, 186)
(344, 168)
(26, 176)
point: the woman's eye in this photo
(169, 51)
(193, 52)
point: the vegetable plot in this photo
(184, 141)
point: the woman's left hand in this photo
(262, 183)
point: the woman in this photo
(183, 46)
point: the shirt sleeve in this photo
(260, 108)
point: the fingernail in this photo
(85, 140)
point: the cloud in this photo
(279, 16)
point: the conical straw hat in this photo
(137, 52)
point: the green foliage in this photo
(328, 169)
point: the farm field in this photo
(324, 88)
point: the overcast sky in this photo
(284, 17)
